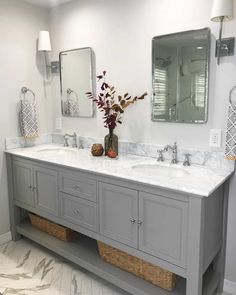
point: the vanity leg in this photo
(195, 246)
(219, 261)
(14, 220)
(14, 211)
(194, 286)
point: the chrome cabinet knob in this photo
(132, 220)
(34, 188)
(140, 222)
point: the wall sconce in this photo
(222, 10)
(44, 45)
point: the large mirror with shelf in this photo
(180, 76)
(77, 78)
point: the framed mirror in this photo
(180, 76)
(77, 78)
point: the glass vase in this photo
(111, 142)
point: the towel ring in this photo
(24, 90)
(230, 95)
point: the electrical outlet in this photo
(58, 123)
(215, 138)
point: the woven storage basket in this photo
(53, 229)
(145, 270)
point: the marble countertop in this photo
(196, 179)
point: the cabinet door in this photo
(22, 179)
(46, 189)
(118, 213)
(163, 228)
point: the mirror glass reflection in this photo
(76, 70)
(180, 76)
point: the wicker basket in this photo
(145, 270)
(53, 229)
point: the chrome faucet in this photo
(74, 138)
(174, 152)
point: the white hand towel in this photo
(71, 107)
(29, 119)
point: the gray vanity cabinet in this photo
(163, 227)
(46, 189)
(118, 213)
(180, 232)
(23, 182)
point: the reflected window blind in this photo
(200, 90)
(160, 90)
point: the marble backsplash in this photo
(208, 158)
(21, 142)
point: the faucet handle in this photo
(66, 141)
(187, 159)
(160, 157)
(75, 143)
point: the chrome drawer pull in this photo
(76, 188)
(76, 212)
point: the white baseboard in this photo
(230, 287)
(5, 238)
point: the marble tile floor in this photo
(27, 268)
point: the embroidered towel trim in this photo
(29, 119)
(230, 150)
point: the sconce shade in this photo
(44, 43)
(222, 9)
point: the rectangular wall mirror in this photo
(180, 76)
(77, 78)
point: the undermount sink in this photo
(57, 151)
(164, 171)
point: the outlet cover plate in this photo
(215, 138)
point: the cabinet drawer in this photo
(79, 211)
(78, 185)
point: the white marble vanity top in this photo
(196, 179)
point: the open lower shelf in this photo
(84, 252)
